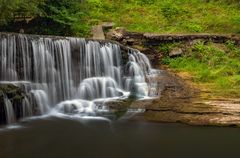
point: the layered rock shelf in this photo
(150, 39)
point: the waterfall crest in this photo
(70, 74)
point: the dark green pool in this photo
(57, 138)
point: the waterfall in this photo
(70, 74)
(9, 112)
(26, 108)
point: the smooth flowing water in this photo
(69, 75)
(67, 138)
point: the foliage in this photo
(67, 14)
(9, 7)
(75, 17)
(217, 64)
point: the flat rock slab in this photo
(152, 39)
(98, 33)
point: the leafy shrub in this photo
(166, 60)
(194, 27)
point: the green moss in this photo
(120, 113)
(13, 92)
(17, 97)
(120, 107)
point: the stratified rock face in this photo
(74, 71)
(148, 43)
(180, 102)
(150, 39)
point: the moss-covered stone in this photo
(15, 95)
(119, 107)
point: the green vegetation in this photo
(62, 17)
(11, 7)
(214, 64)
(75, 17)
(168, 16)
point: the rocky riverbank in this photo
(181, 99)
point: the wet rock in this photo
(117, 105)
(15, 95)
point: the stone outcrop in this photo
(148, 43)
(149, 39)
(98, 30)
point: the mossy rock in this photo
(15, 95)
(119, 107)
(11, 91)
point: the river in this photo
(54, 137)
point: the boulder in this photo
(176, 52)
(116, 34)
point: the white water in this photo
(69, 75)
(9, 112)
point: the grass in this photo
(156, 16)
(215, 65)
(168, 16)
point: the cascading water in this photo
(9, 112)
(70, 75)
